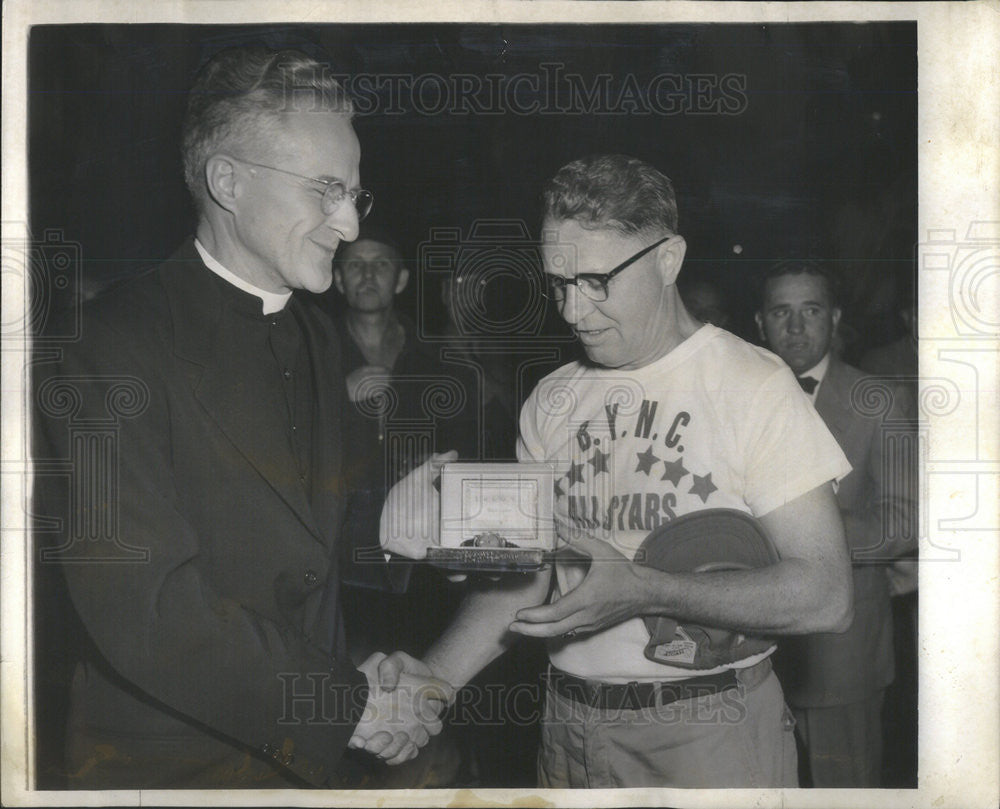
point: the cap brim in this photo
(717, 538)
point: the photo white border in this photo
(959, 159)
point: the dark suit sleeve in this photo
(230, 665)
(884, 526)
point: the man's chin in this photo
(318, 283)
(798, 362)
(799, 366)
(598, 357)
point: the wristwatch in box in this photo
(495, 517)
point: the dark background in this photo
(821, 160)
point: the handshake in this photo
(405, 702)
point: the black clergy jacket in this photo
(197, 545)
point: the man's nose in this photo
(796, 323)
(575, 306)
(344, 220)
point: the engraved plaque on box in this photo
(495, 516)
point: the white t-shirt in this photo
(716, 423)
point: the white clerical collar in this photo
(817, 372)
(272, 301)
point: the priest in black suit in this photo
(202, 522)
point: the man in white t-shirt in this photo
(667, 417)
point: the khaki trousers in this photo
(743, 737)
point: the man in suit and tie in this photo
(835, 683)
(217, 656)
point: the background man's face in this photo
(369, 275)
(705, 303)
(627, 330)
(797, 319)
(279, 220)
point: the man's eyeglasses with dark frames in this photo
(594, 285)
(334, 193)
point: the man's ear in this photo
(835, 316)
(759, 319)
(338, 279)
(402, 279)
(224, 186)
(670, 257)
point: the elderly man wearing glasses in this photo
(217, 655)
(667, 418)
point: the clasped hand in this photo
(398, 721)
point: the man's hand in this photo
(367, 381)
(397, 723)
(393, 667)
(614, 590)
(411, 516)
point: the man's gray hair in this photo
(613, 191)
(239, 98)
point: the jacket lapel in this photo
(229, 384)
(830, 404)
(330, 396)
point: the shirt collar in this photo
(817, 372)
(272, 301)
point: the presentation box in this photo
(495, 516)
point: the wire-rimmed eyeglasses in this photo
(594, 285)
(334, 192)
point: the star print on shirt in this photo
(703, 487)
(674, 471)
(575, 474)
(557, 488)
(646, 460)
(599, 461)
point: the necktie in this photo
(807, 383)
